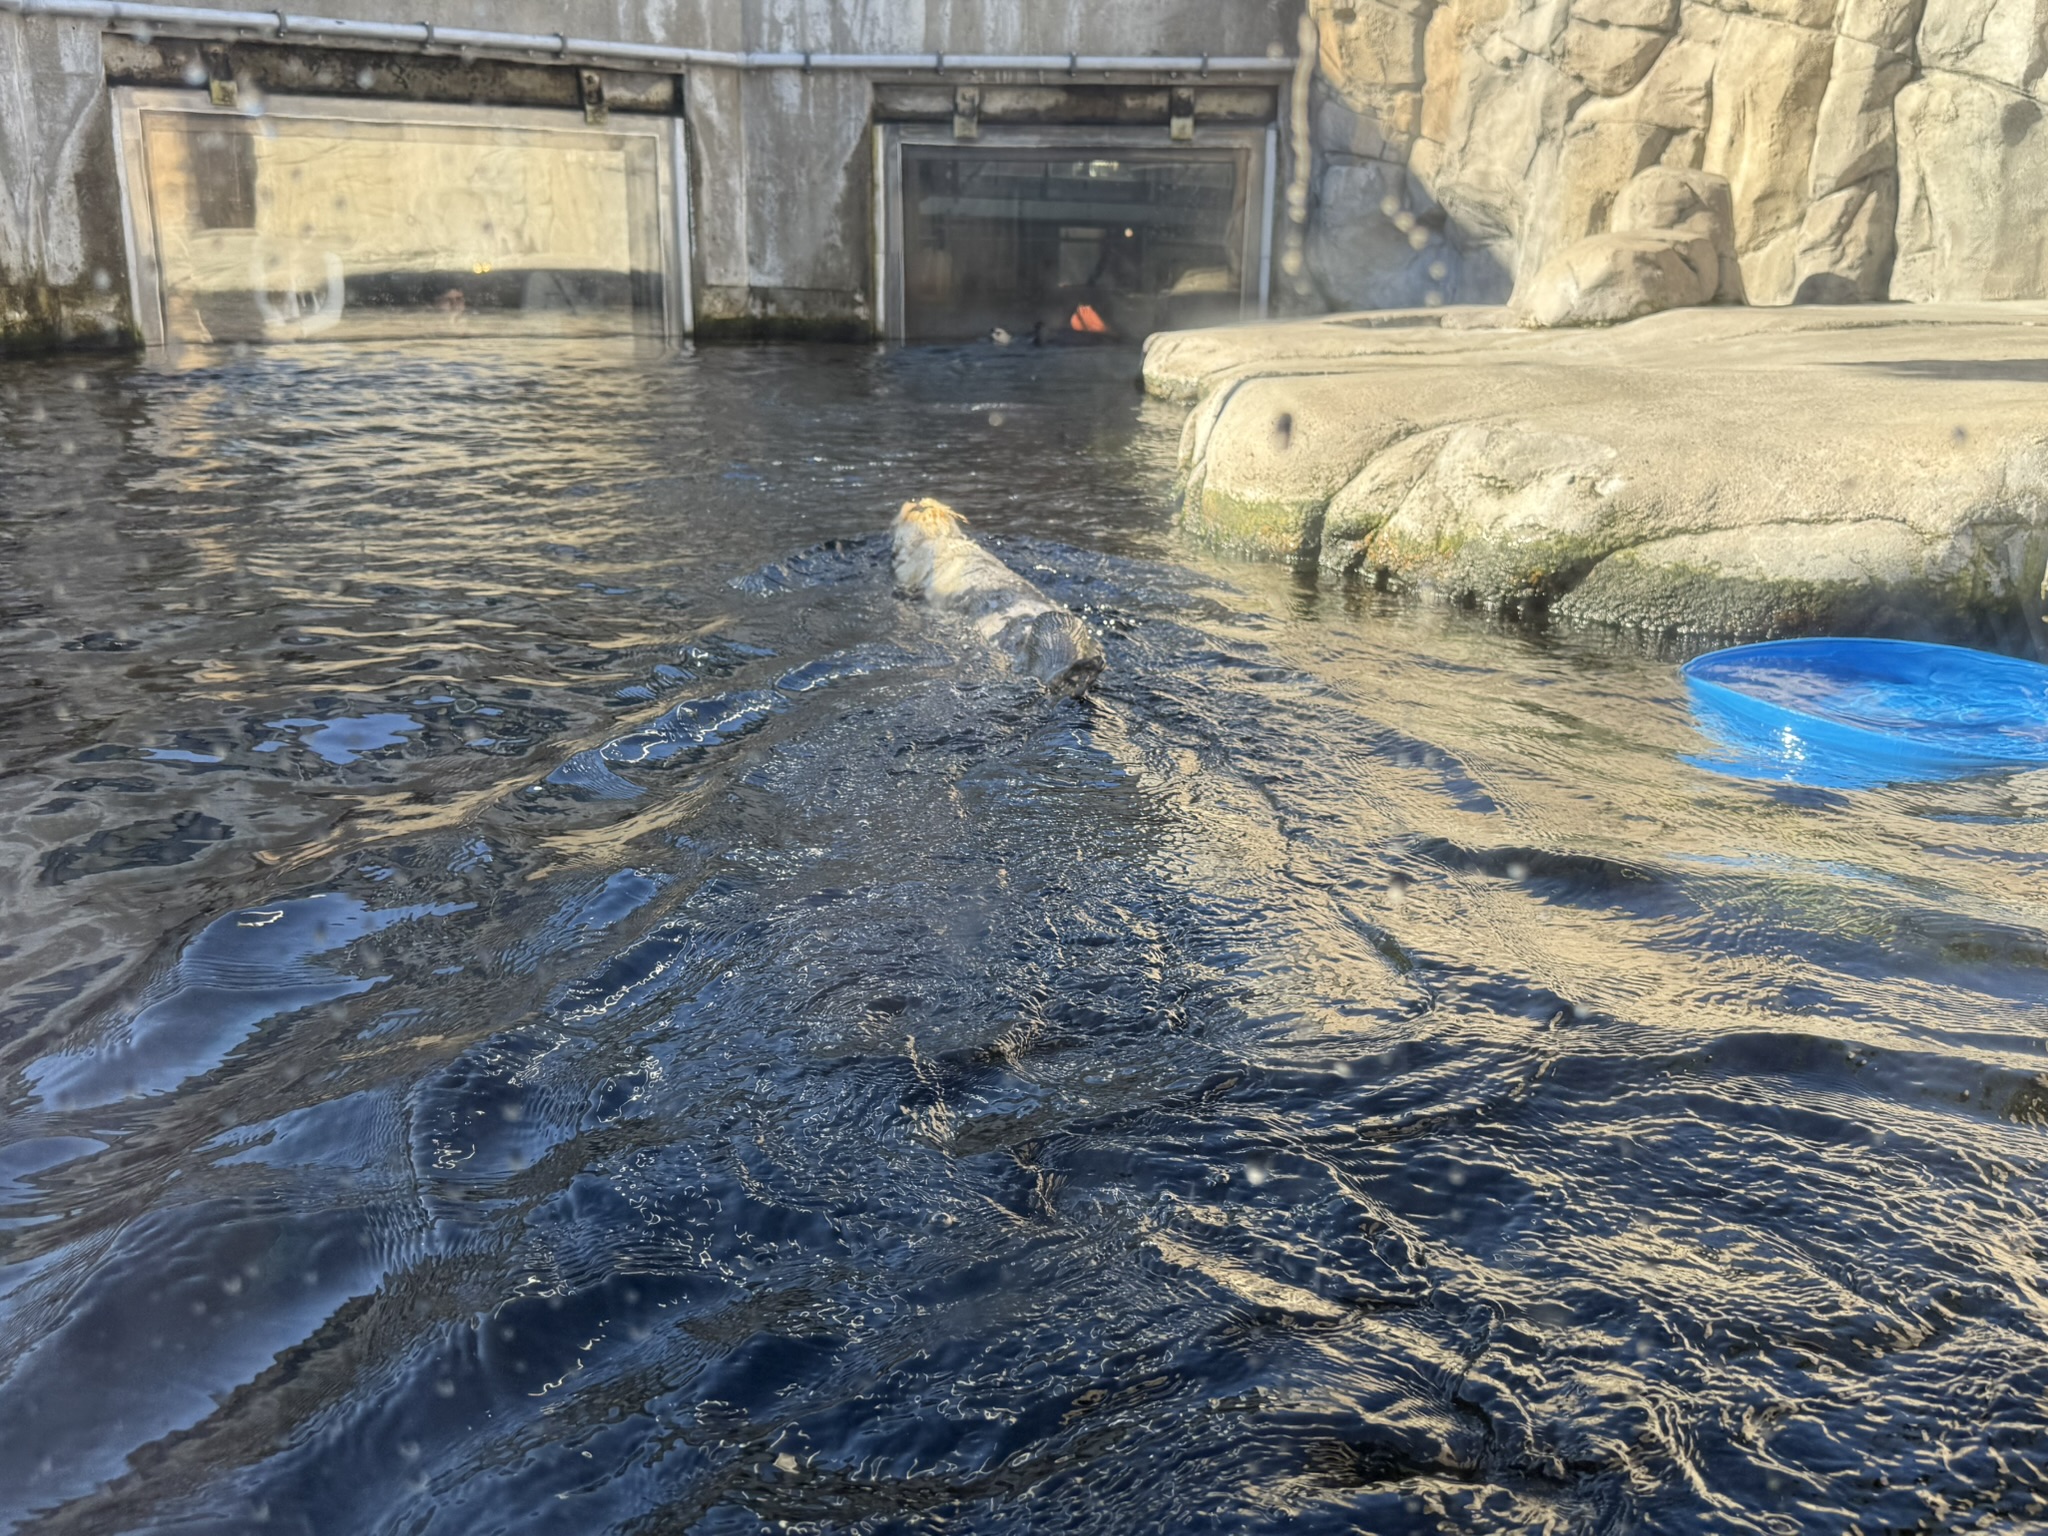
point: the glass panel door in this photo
(1072, 240)
(295, 225)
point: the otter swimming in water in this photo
(935, 557)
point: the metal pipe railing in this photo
(428, 36)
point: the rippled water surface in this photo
(536, 994)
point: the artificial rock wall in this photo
(1871, 148)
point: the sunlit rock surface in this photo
(1712, 471)
(1871, 148)
(1672, 246)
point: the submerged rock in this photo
(1711, 471)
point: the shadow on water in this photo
(539, 995)
(2007, 370)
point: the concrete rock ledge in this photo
(1719, 472)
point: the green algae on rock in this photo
(1706, 471)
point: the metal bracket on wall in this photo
(1180, 114)
(220, 76)
(590, 86)
(967, 112)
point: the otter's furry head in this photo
(933, 519)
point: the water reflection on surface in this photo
(538, 995)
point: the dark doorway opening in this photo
(1070, 242)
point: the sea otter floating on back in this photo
(936, 558)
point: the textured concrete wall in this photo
(1869, 148)
(63, 274)
(781, 163)
(803, 236)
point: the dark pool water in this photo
(537, 995)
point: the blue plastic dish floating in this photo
(1852, 714)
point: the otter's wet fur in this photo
(936, 558)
